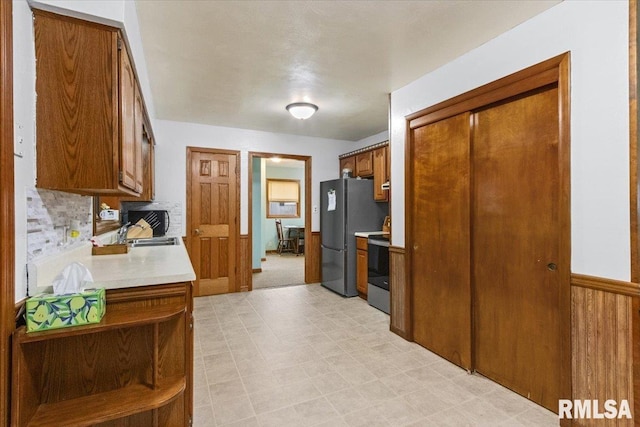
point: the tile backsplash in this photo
(50, 216)
(49, 212)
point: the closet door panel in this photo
(515, 245)
(439, 238)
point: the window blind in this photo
(283, 191)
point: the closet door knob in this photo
(552, 266)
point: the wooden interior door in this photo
(213, 224)
(515, 245)
(439, 232)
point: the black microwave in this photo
(157, 219)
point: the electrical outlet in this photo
(315, 209)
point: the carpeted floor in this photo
(280, 270)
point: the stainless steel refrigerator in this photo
(346, 206)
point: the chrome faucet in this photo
(122, 232)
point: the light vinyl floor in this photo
(304, 356)
(280, 270)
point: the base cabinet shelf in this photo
(109, 405)
(133, 368)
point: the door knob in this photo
(551, 266)
(198, 232)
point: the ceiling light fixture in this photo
(302, 110)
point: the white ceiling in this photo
(239, 63)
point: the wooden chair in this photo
(285, 244)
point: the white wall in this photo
(131, 29)
(370, 140)
(24, 112)
(107, 12)
(596, 33)
(174, 137)
(257, 251)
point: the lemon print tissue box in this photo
(48, 311)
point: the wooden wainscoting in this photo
(400, 294)
(245, 264)
(312, 267)
(602, 342)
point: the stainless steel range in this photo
(378, 272)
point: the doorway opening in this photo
(279, 219)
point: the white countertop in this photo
(140, 267)
(369, 233)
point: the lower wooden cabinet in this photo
(361, 266)
(133, 368)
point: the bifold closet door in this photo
(440, 254)
(515, 245)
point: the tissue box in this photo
(48, 311)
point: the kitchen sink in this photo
(154, 241)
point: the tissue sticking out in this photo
(72, 279)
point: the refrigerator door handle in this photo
(332, 249)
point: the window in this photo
(283, 198)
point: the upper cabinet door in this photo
(139, 140)
(348, 163)
(364, 164)
(76, 107)
(380, 174)
(127, 88)
(387, 150)
(88, 113)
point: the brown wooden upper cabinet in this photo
(90, 115)
(388, 160)
(373, 162)
(348, 163)
(364, 164)
(146, 156)
(380, 174)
